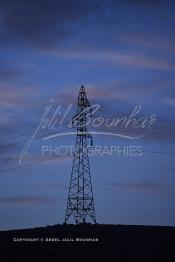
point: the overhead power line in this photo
(54, 158)
(98, 129)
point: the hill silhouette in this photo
(86, 242)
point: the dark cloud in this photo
(146, 186)
(8, 72)
(47, 23)
(145, 3)
(40, 22)
(54, 185)
(27, 200)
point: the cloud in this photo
(142, 3)
(8, 73)
(145, 187)
(34, 200)
(12, 95)
(54, 185)
(40, 24)
(9, 158)
(30, 23)
(116, 58)
(170, 101)
(148, 41)
(131, 92)
(66, 98)
(118, 100)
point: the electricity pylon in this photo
(80, 202)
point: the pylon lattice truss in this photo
(80, 202)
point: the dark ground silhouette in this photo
(115, 243)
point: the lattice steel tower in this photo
(80, 202)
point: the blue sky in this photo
(124, 53)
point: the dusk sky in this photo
(124, 53)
